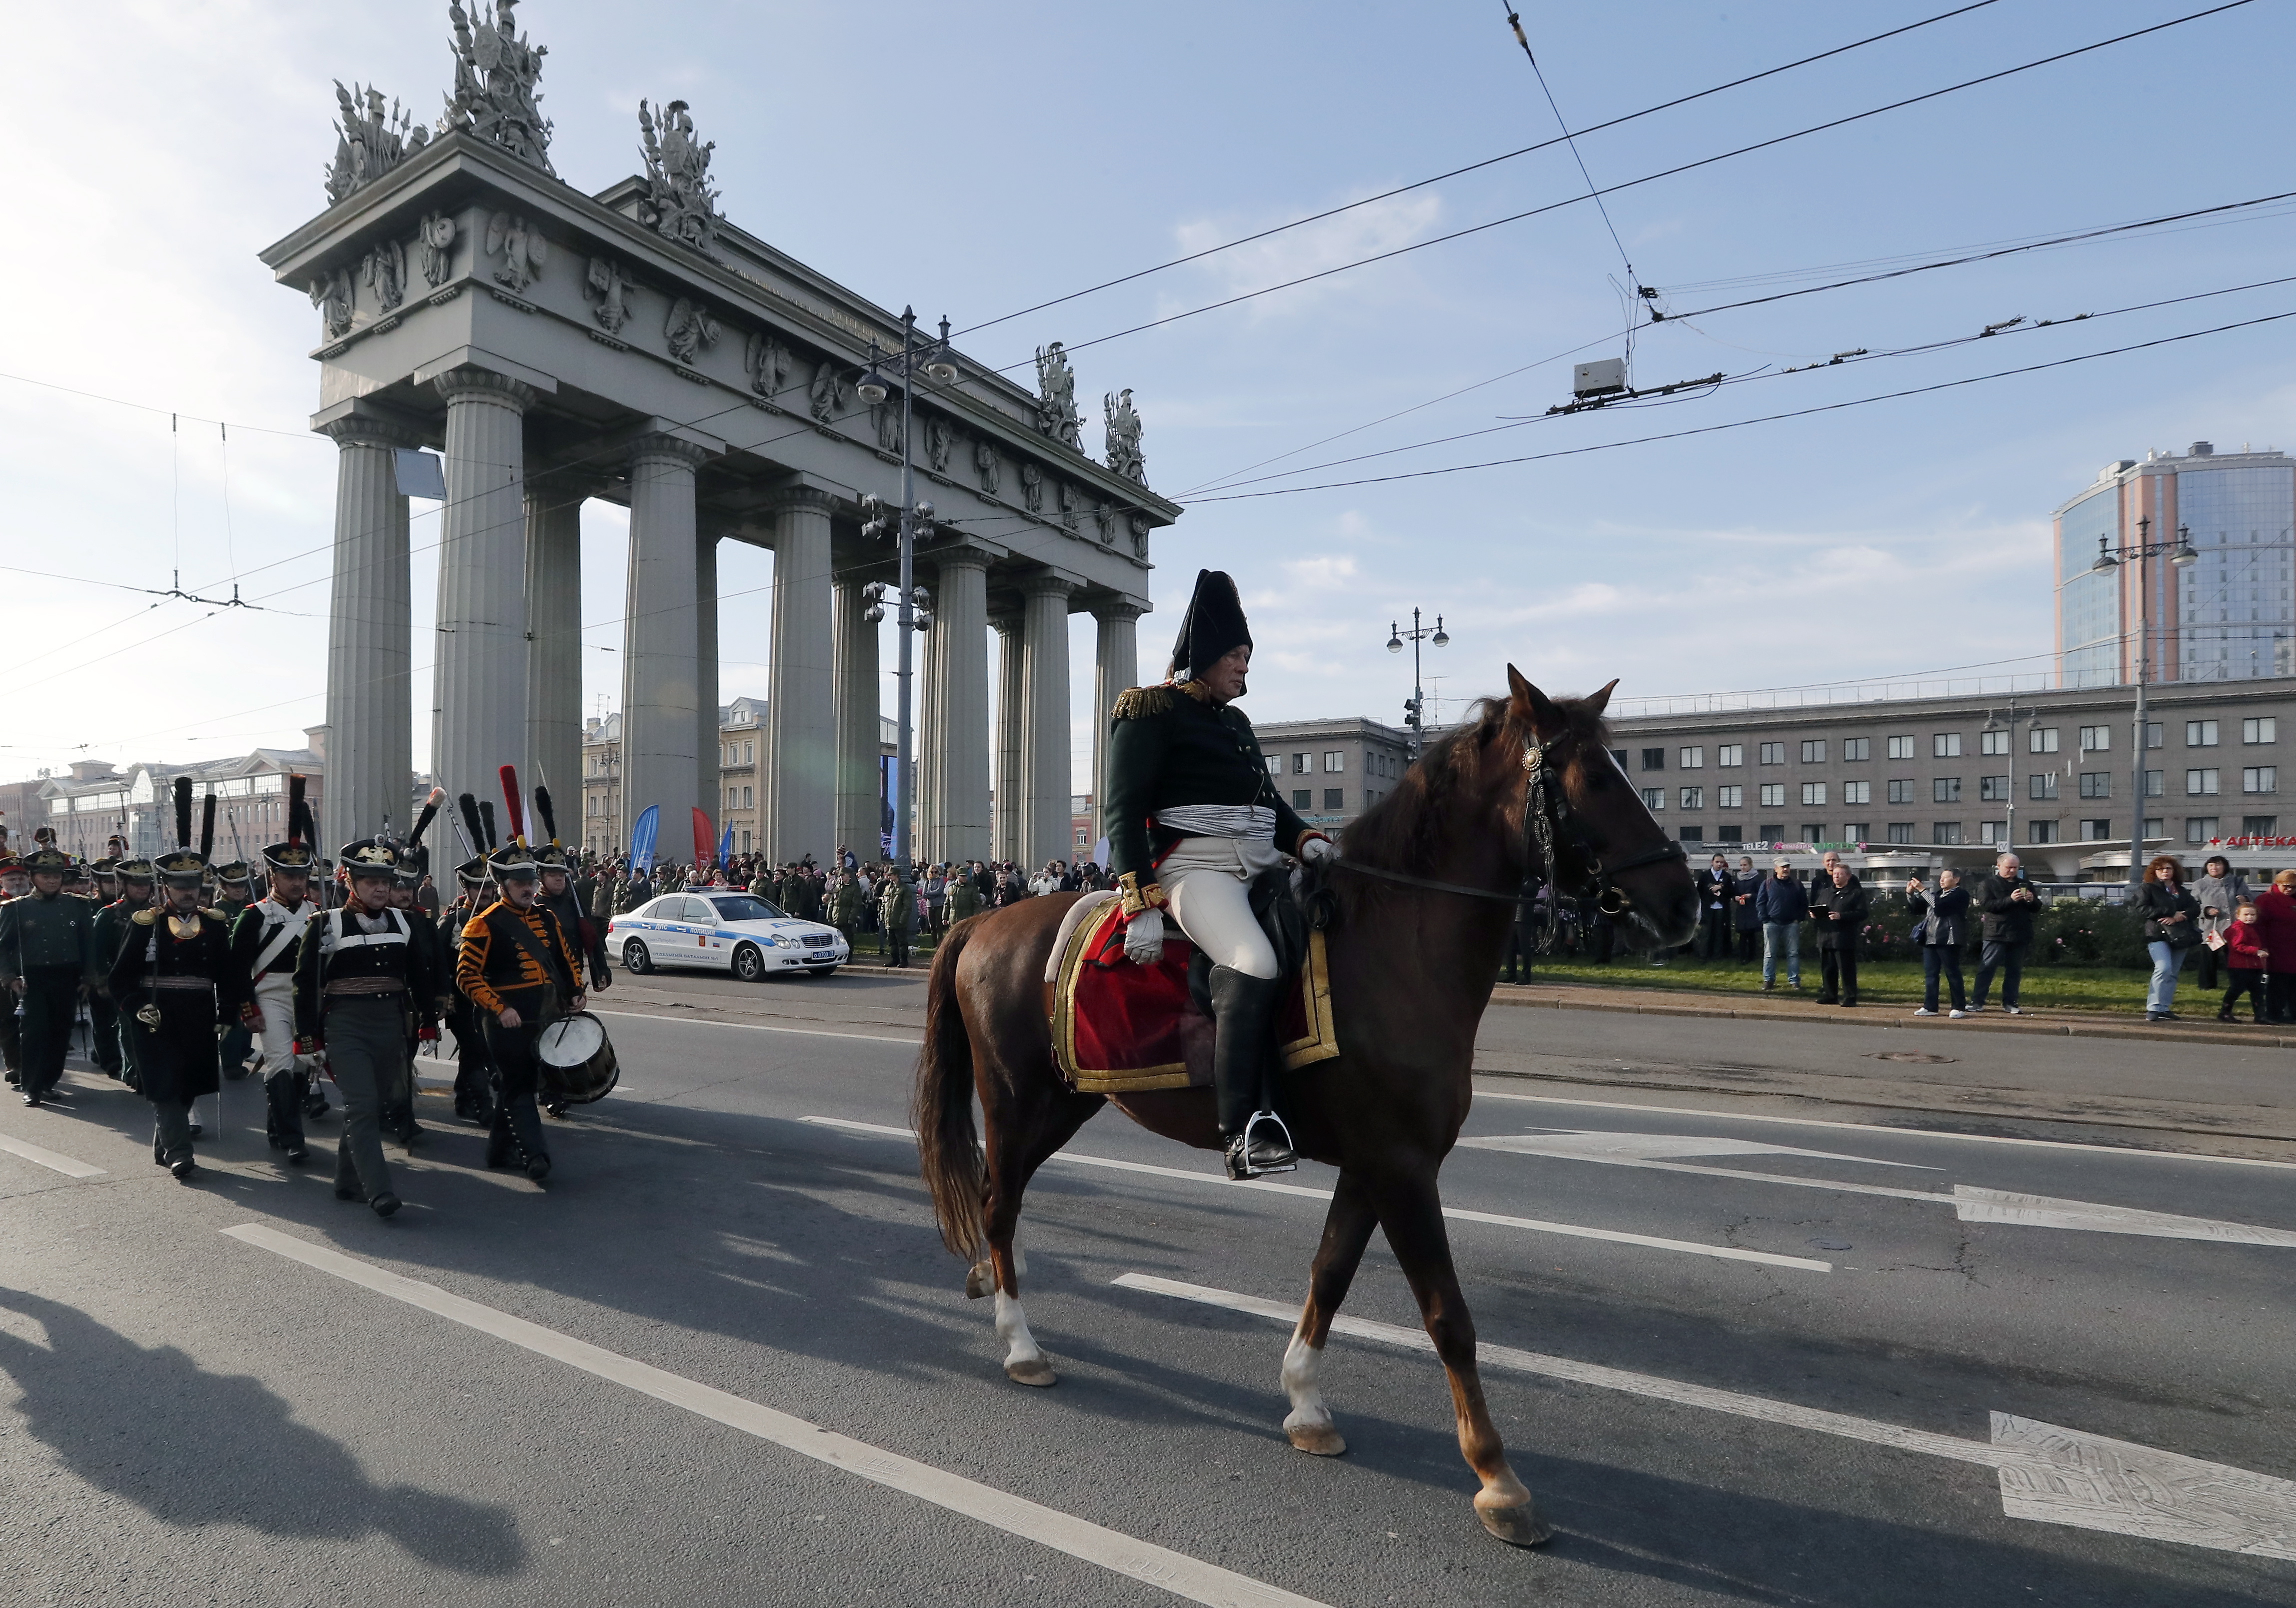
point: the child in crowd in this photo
(2245, 956)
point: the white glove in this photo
(1316, 849)
(1144, 937)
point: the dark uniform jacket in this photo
(586, 938)
(336, 957)
(113, 923)
(1840, 913)
(38, 932)
(495, 969)
(1168, 748)
(147, 972)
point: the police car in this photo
(724, 930)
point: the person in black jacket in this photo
(175, 985)
(1944, 918)
(2172, 927)
(1839, 910)
(1716, 892)
(2008, 901)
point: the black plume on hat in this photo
(184, 812)
(1212, 628)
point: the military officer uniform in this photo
(233, 894)
(175, 981)
(48, 959)
(263, 947)
(515, 959)
(473, 1069)
(113, 923)
(422, 1017)
(15, 882)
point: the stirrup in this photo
(1264, 1153)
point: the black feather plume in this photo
(297, 811)
(207, 826)
(430, 814)
(546, 814)
(487, 814)
(468, 804)
(183, 812)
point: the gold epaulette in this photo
(1139, 701)
(145, 916)
(217, 915)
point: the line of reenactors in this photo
(185, 973)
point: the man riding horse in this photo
(1193, 821)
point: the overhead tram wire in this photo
(1704, 429)
(1488, 161)
(1679, 168)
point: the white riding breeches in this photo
(275, 997)
(1209, 881)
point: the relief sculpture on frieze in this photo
(522, 251)
(607, 285)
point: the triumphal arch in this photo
(634, 345)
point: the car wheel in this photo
(635, 958)
(748, 963)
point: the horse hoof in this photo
(1518, 1526)
(1316, 1439)
(1035, 1372)
(978, 1281)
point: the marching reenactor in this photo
(15, 882)
(422, 1014)
(517, 967)
(47, 961)
(264, 942)
(358, 975)
(174, 979)
(233, 893)
(113, 923)
(473, 1072)
(586, 938)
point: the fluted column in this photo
(370, 700)
(855, 697)
(479, 711)
(709, 771)
(660, 686)
(553, 649)
(800, 708)
(1045, 720)
(1115, 667)
(1004, 836)
(925, 779)
(955, 744)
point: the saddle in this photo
(1122, 1027)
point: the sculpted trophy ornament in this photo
(523, 252)
(368, 142)
(1123, 438)
(495, 74)
(985, 459)
(1056, 408)
(435, 236)
(680, 204)
(611, 291)
(767, 362)
(690, 328)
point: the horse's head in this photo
(1604, 843)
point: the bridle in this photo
(1548, 817)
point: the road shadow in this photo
(191, 1448)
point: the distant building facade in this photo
(98, 800)
(1331, 771)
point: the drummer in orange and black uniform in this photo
(517, 969)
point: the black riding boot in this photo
(514, 1136)
(1243, 1006)
(284, 1092)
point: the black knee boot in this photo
(514, 1136)
(1242, 1008)
(284, 1093)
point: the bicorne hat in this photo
(1212, 628)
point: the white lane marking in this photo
(2046, 1473)
(1937, 1195)
(752, 1027)
(1729, 1253)
(52, 1160)
(1877, 1128)
(1119, 1553)
(2040, 1212)
(1594, 1145)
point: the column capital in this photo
(959, 556)
(657, 447)
(1122, 609)
(366, 430)
(470, 382)
(1047, 584)
(790, 499)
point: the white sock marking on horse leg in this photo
(1019, 1257)
(1301, 1362)
(1012, 1328)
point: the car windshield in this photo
(747, 907)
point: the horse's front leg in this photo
(1411, 1211)
(1029, 1132)
(1346, 1230)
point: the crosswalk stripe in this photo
(54, 1160)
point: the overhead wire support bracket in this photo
(1579, 404)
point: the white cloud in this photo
(1365, 231)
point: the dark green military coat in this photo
(35, 930)
(1168, 748)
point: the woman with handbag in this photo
(1940, 930)
(2172, 927)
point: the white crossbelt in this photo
(1219, 820)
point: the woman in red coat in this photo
(2275, 916)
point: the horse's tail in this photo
(940, 1107)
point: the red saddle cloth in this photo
(1119, 1026)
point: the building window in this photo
(1946, 833)
(1945, 790)
(1945, 745)
(1857, 748)
(1619, 758)
(1653, 799)
(2266, 730)
(1773, 753)
(2153, 737)
(2044, 741)
(1772, 833)
(2259, 826)
(1276, 764)
(1335, 798)
(2042, 785)
(1693, 798)
(1729, 834)
(1993, 742)
(1730, 755)
(2096, 784)
(749, 798)
(2200, 734)
(1901, 791)
(1812, 751)
(1653, 759)
(2200, 829)
(1901, 748)
(1694, 835)
(1993, 832)
(1691, 759)
(1299, 765)
(1774, 795)
(1813, 832)
(1733, 796)
(1813, 792)
(1901, 831)
(2041, 832)
(2096, 831)
(1303, 798)
(1992, 790)
(2155, 784)
(1858, 832)
(2095, 739)
(2152, 826)
(1334, 760)
(1856, 792)
(2258, 778)
(2201, 783)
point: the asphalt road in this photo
(1740, 1354)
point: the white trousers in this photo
(1209, 883)
(275, 997)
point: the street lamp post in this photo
(1996, 722)
(938, 364)
(2181, 554)
(1415, 706)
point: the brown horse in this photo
(1413, 958)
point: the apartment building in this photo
(1331, 771)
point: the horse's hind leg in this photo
(1020, 1141)
(1412, 1213)
(1346, 1230)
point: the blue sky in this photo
(976, 161)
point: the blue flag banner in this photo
(642, 837)
(725, 846)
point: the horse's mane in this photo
(1409, 829)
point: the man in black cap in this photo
(518, 970)
(234, 892)
(113, 923)
(263, 947)
(47, 960)
(1194, 823)
(358, 976)
(174, 982)
(15, 883)
(473, 1072)
(423, 1011)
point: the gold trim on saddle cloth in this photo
(1321, 1042)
